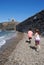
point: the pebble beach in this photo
(24, 53)
(8, 48)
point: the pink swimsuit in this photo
(30, 33)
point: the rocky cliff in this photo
(35, 21)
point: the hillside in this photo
(35, 21)
(8, 25)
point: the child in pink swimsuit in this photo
(30, 34)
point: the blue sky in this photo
(19, 9)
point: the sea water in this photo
(6, 35)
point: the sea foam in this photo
(2, 41)
(6, 35)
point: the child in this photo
(37, 40)
(30, 33)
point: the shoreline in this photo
(8, 48)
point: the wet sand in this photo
(8, 48)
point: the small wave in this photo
(0, 30)
(2, 42)
(9, 36)
(6, 36)
(2, 37)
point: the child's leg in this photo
(35, 44)
(29, 40)
(38, 45)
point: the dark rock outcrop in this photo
(36, 21)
